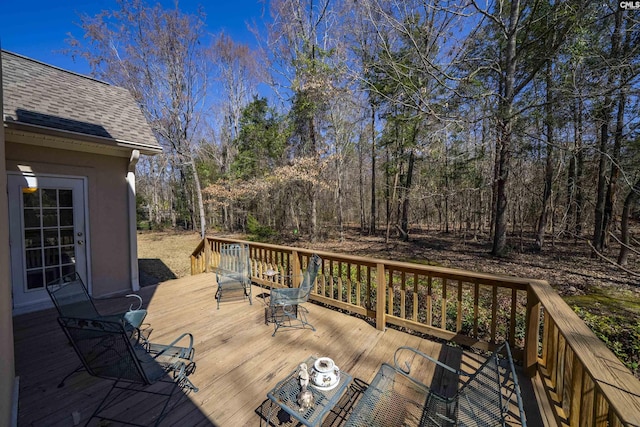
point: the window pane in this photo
(65, 198)
(31, 200)
(34, 279)
(66, 236)
(49, 217)
(68, 255)
(31, 218)
(52, 256)
(68, 269)
(49, 198)
(50, 237)
(66, 217)
(33, 258)
(32, 239)
(52, 274)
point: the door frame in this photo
(17, 248)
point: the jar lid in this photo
(324, 364)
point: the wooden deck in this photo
(238, 361)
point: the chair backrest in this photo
(71, 298)
(485, 397)
(235, 257)
(105, 350)
(309, 276)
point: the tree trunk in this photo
(387, 192)
(363, 219)
(604, 193)
(579, 170)
(504, 134)
(617, 146)
(504, 160)
(629, 203)
(404, 222)
(339, 195)
(612, 189)
(198, 190)
(372, 224)
(598, 226)
(548, 176)
(313, 193)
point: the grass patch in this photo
(166, 255)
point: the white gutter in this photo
(133, 237)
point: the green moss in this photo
(614, 303)
(613, 317)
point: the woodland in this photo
(510, 121)
(497, 117)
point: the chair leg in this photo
(78, 369)
(218, 295)
(247, 293)
(284, 318)
(119, 392)
(302, 313)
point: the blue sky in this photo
(38, 28)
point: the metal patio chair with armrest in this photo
(285, 303)
(488, 396)
(107, 351)
(71, 299)
(234, 270)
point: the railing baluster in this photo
(429, 301)
(414, 316)
(512, 319)
(443, 308)
(403, 295)
(459, 308)
(476, 307)
(494, 313)
(391, 294)
(576, 394)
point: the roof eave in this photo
(113, 143)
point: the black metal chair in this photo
(234, 270)
(285, 303)
(70, 296)
(487, 396)
(71, 299)
(107, 351)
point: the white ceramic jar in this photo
(325, 375)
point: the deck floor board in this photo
(238, 361)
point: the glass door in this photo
(47, 234)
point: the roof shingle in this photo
(39, 94)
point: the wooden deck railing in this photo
(584, 383)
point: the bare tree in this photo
(299, 45)
(238, 72)
(160, 56)
(527, 34)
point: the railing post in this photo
(381, 297)
(531, 334)
(296, 271)
(207, 255)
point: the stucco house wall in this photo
(7, 371)
(109, 261)
(56, 124)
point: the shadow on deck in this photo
(238, 361)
